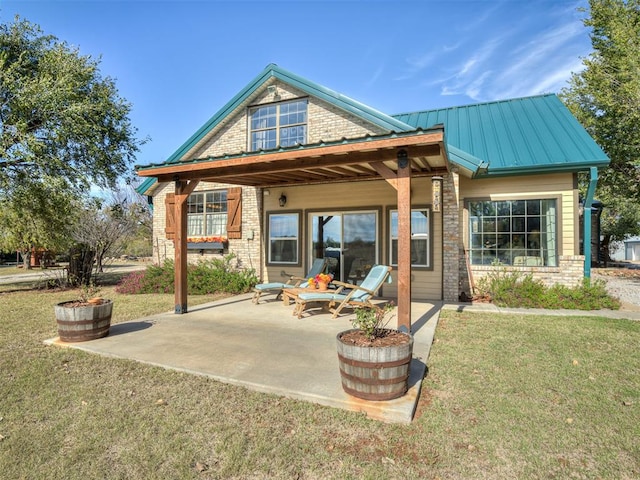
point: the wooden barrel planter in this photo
(375, 373)
(80, 323)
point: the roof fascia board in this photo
(345, 147)
(529, 170)
(145, 187)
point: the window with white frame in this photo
(284, 236)
(513, 232)
(279, 124)
(420, 252)
(207, 214)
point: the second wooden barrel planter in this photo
(375, 372)
(83, 321)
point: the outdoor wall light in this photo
(282, 200)
(403, 159)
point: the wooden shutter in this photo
(234, 212)
(170, 216)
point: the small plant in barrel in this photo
(371, 321)
(374, 359)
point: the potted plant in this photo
(374, 360)
(321, 281)
(86, 318)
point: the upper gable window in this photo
(280, 124)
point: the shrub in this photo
(132, 283)
(513, 289)
(209, 276)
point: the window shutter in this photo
(234, 212)
(170, 216)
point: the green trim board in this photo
(145, 186)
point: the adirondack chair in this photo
(317, 267)
(346, 295)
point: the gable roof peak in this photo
(371, 115)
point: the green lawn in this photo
(506, 397)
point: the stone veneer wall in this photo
(451, 238)
(248, 251)
(570, 271)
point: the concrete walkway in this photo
(56, 273)
(265, 348)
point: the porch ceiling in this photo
(364, 159)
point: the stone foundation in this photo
(570, 272)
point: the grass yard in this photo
(506, 397)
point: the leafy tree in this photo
(63, 127)
(605, 97)
(40, 215)
(58, 116)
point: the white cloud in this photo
(375, 76)
(472, 72)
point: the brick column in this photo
(451, 237)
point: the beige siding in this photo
(376, 195)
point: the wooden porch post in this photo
(183, 190)
(404, 241)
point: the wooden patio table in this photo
(290, 294)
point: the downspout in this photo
(588, 203)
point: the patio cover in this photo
(394, 157)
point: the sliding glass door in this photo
(348, 240)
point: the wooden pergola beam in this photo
(293, 160)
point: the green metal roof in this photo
(509, 137)
(524, 135)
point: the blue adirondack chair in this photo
(346, 294)
(317, 267)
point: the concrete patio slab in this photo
(264, 348)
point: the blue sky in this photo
(178, 62)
